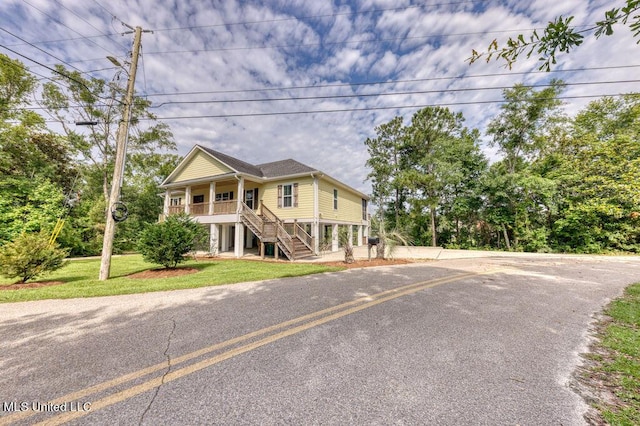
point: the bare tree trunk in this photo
(434, 236)
(506, 237)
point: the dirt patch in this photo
(364, 263)
(163, 273)
(35, 284)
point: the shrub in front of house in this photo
(31, 255)
(166, 243)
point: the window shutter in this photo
(279, 196)
(295, 195)
(255, 198)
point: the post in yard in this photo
(118, 171)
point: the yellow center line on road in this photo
(326, 315)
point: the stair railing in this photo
(284, 238)
(253, 220)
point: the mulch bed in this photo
(163, 273)
(36, 284)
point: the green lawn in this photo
(618, 360)
(80, 277)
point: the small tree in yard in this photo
(167, 242)
(347, 245)
(29, 256)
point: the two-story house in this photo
(283, 204)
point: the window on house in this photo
(198, 199)
(288, 195)
(364, 209)
(176, 201)
(248, 198)
(335, 199)
(224, 196)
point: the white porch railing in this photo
(202, 209)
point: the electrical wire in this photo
(66, 26)
(67, 76)
(364, 109)
(331, 15)
(369, 95)
(89, 23)
(262, 114)
(41, 50)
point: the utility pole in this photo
(121, 152)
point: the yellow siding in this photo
(349, 204)
(201, 165)
(200, 190)
(304, 210)
(227, 187)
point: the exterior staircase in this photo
(270, 229)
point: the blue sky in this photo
(312, 56)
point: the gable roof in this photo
(274, 169)
(284, 168)
(233, 163)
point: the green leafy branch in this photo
(558, 37)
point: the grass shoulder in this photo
(613, 374)
(80, 277)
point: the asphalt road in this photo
(464, 341)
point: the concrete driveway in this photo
(488, 340)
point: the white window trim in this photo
(293, 202)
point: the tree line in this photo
(48, 175)
(560, 184)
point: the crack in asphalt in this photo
(166, 354)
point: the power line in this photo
(375, 83)
(365, 95)
(113, 15)
(53, 70)
(42, 50)
(262, 114)
(335, 43)
(249, 22)
(89, 23)
(369, 95)
(66, 26)
(331, 15)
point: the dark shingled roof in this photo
(234, 163)
(266, 170)
(283, 168)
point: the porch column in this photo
(360, 234)
(167, 201)
(334, 237)
(317, 235)
(249, 238)
(239, 241)
(212, 196)
(213, 239)
(240, 193)
(350, 234)
(187, 200)
(315, 227)
(239, 237)
(225, 238)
